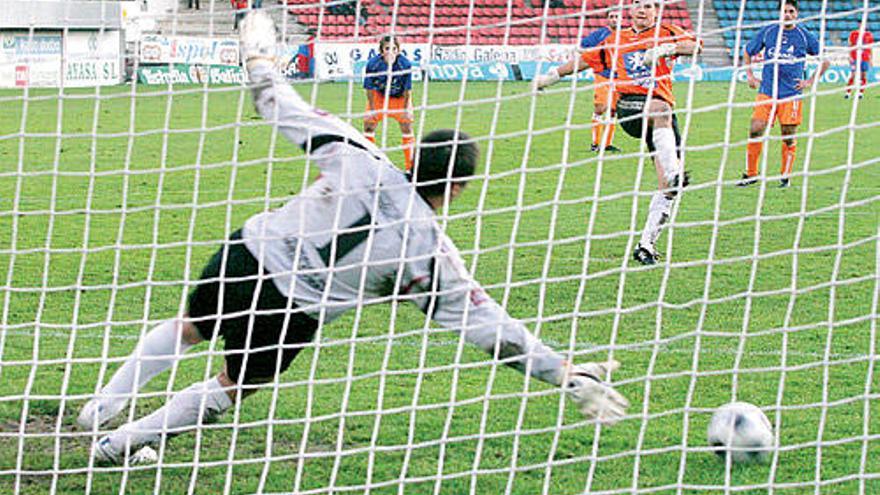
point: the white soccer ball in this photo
(743, 431)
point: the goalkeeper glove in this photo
(594, 398)
(653, 55)
(257, 38)
(541, 81)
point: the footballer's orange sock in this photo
(753, 155)
(408, 140)
(609, 138)
(370, 136)
(789, 153)
(598, 129)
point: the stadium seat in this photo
(489, 20)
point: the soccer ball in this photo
(743, 431)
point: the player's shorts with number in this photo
(393, 107)
(603, 88)
(788, 112)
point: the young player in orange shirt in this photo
(859, 58)
(637, 56)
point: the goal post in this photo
(131, 152)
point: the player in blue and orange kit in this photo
(388, 83)
(859, 58)
(785, 47)
(604, 96)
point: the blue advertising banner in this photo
(456, 70)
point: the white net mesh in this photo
(130, 151)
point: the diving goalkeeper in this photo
(363, 231)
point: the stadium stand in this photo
(492, 22)
(838, 17)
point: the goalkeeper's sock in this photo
(155, 353)
(371, 137)
(658, 215)
(789, 153)
(753, 155)
(664, 143)
(408, 140)
(200, 403)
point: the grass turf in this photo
(111, 205)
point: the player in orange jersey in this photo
(859, 58)
(638, 57)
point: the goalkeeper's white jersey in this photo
(362, 234)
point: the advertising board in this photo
(159, 49)
(30, 59)
(191, 74)
(92, 58)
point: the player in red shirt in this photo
(859, 58)
(639, 57)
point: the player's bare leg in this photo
(789, 153)
(157, 351)
(753, 152)
(670, 179)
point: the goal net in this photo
(130, 152)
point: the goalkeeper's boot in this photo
(106, 455)
(746, 180)
(613, 149)
(784, 183)
(98, 411)
(646, 255)
(594, 148)
(258, 38)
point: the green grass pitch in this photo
(111, 205)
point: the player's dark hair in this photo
(793, 3)
(435, 156)
(388, 39)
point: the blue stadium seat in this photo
(758, 13)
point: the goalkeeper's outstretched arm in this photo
(456, 301)
(277, 102)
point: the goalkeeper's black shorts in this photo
(278, 329)
(631, 115)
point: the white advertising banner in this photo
(157, 49)
(30, 59)
(337, 60)
(501, 53)
(92, 58)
